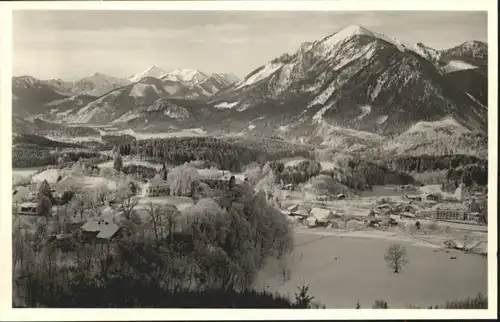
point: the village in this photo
(409, 209)
(458, 208)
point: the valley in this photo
(305, 171)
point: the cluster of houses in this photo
(105, 226)
(314, 217)
(459, 207)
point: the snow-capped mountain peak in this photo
(344, 34)
(153, 71)
(186, 75)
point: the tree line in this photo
(431, 162)
(226, 154)
(23, 157)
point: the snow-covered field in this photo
(180, 202)
(75, 139)
(327, 165)
(224, 105)
(18, 173)
(342, 270)
(194, 132)
(50, 175)
(87, 182)
(456, 65)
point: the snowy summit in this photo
(153, 71)
(186, 75)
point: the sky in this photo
(74, 44)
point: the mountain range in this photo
(354, 79)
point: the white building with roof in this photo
(156, 187)
(318, 215)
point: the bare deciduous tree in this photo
(396, 257)
(380, 304)
(126, 205)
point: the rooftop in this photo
(320, 213)
(105, 228)
(448, 207)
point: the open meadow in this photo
(341, 271)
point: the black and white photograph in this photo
(251, 159)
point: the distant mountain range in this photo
(354, 79)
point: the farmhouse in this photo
(156, 187)
(319, 214)
(100, 228)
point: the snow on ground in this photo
(284, 77)
(186, 75)
(324, 96)
(319, 114)
(145, 136)
(152, 71)
(424, 51)
(327, 165)
(210, 173)
(366, 51)
(130, 115)
(87, 182)
(283, 128)
(50, 175)
(353, 30)
(333, 268)
(264, 72)
(400, 46)
(447, 122)
(431, 188)
(365, 109)
(377, 89)
(180, 202)
(176, 112)
(138, 90)
(251, 127)
(75, 139)
(337, 130)
(455, 65)
(226, 105)
(65, 113)
(183, 133)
